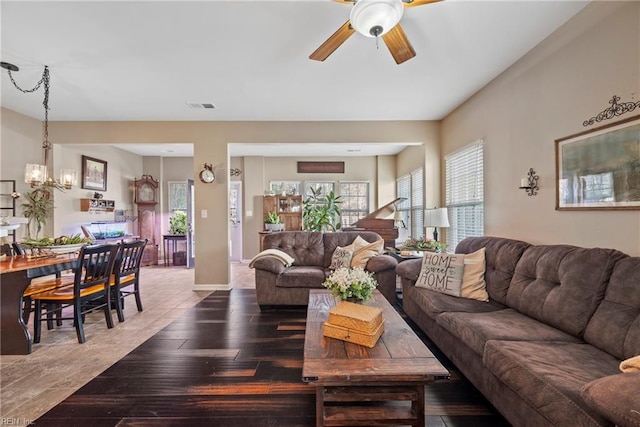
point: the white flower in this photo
(15, 195)
(351, 282)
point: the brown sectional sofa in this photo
(277, 285)
(546, 348)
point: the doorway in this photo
(191, 243)
(235, 223)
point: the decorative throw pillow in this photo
(442, 273)
(341, 258)
(364, 251)
(457, 275)
(473, 283)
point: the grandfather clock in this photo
(146, 197)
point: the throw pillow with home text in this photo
(442, 273)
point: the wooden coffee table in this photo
(356, 385)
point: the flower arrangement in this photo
(345, 283)
(424, 244)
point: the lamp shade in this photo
(68, 178)
(373, 18)
(35, 174)
(436, 217)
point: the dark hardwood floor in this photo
(224, 363)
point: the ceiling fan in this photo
(374, 18)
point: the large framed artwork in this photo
(599, 168)
(94, 174)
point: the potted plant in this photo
(423, 244)
(321, 213)
(272, 222)
(351, 284)
(178, 223)
(38, 206)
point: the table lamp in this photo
(436, 217)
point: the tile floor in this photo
(31, 385)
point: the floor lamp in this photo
(436, 217)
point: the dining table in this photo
(16, 273)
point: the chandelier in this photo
(36, 174)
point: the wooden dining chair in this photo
(90, 290)
(126, 275)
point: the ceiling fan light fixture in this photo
(373, 18)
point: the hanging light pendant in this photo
(35, 174)
(373, 18)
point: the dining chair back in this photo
(90, 290)
(126, 276)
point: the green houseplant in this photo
(272, 222)
(178, 223)
(38, 207)
(321, 213)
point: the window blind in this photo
(464, 174)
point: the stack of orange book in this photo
(355, 323)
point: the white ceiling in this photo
(146, 60)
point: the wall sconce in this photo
(530, 183)
(235, 172)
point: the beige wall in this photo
(122, 168)
(210, 141)
(546, 95)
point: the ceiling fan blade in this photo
(333, 42)
(414, 3)
(398, 44)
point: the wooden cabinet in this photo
(289, 210)
(87, 205)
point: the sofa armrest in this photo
(615, 397)
(409, 269)
(380, 263)
(269, 264)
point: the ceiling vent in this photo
(201, 105)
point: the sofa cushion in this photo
(306, 248)
(434, 303)
(615, 326)
(501, 258)
(549, 376)
(341, 258)
(364, 251)
(615, 396)
(442, 273)
(344, 238)
(302, 277)
(561, 285)
(475, 329)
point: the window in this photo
(355, 201)
(325, 186)
(411, 187)
(465, 193)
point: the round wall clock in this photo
(206, 174)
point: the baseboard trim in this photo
(211, 287)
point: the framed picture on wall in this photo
(599, 168)
(177, 195)
(94, 174)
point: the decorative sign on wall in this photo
(320, 167)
